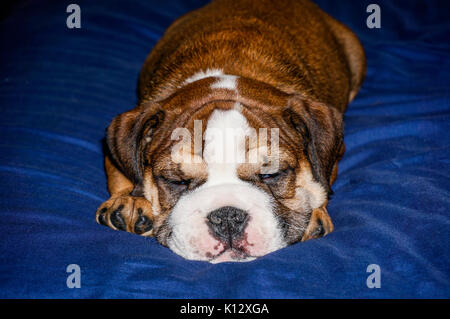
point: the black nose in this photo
(227, 222)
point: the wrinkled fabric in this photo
(61, 87)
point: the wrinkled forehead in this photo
(228, 121)
(226, 143)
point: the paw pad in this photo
(143, 223)
(127, 213)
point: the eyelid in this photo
(275, 174)
(270, 174)
(178, 180)
(173, 179)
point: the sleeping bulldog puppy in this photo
(233, 146)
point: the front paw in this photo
(128, 213)
(319, 225)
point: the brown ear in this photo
(321, 128)
(127, 137)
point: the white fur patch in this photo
(203, 74)
(316, 192)
(225, 81)
(191, 237)
(151, 194)
(225, 145)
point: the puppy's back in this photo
(290, 44)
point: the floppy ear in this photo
(321, 128)
(127, 137)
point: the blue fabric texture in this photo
(61, 87)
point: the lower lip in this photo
(231, 255)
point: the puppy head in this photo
(233, 171)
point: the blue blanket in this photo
(61, 87)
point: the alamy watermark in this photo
(374, 19)
(374, 279)
(74, 279)
(74, 19)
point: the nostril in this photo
(238, 216)
(215, 219)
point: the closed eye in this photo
(273, 177)
(269, 176)
(179, 184)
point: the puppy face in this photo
(233, 168)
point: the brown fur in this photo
(298, 68)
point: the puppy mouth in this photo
(220, 224)
(230, 254)
(233, 250)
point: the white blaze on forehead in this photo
(225, 145)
